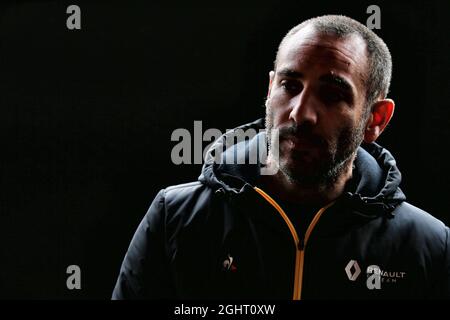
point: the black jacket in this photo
(221, 237)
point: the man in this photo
(331, 222)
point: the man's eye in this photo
(290, 86)
(332, 96)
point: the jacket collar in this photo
(374, 187)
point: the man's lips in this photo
(301, 143)
(298, 150)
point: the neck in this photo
(318, 195)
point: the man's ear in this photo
(379, 118)
(271, 76)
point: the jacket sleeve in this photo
(144, 273)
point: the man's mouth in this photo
(301, 144)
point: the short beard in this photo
(342, 154)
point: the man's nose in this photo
(304, 108)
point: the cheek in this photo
(279, 109)
(333, 125)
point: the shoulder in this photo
(182, 201)
(411, 214)
(180, 194)
(183, 188)
(420, 225)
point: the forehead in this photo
(311, 49)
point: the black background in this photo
(86, 117)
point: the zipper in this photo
(300, 244)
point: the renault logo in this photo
(352, 270)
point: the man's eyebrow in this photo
(289, 73)
(337, 81)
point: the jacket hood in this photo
(373, 187)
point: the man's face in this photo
(316, 101)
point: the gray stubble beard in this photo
(343, 153)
